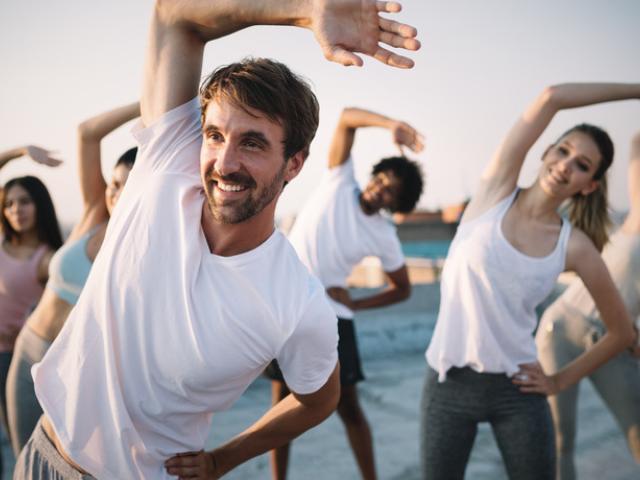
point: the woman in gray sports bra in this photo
(68, 269)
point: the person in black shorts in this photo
(339, 226)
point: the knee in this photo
(350, 411)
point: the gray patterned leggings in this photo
(452, 410)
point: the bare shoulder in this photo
(582, 254)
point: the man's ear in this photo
(592, 187)
(294, 165)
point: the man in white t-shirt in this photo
(339, 226)
(193, 292)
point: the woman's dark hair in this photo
(47, 225)
(410, 176)
(128, 158)
(590, 213)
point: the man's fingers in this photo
(389, 7)
(342, 56)
(401, 29)
(397, 41)
(392, 59)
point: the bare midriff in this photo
(49, 316)
(48, 429)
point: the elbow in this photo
(86, 131)
(552, 96)
(345, 117)
(167, 11)
(404, 292)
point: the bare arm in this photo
(37, 154)
(584, 259)
(501, 176)
(286, 420)
(632, 222)
(90, 134)
(403, 134)
(181, 28)
(399, 289)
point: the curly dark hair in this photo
(410, 174)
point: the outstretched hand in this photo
(346, 27)
(532, 379)
(404, 135)
(199, 465)
(40, 155)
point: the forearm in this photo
(214, 19)
(8, 155)
(354, 118)
(96, 128)
(281, 424)
(388, 296)
(610, 345)
(573, 95)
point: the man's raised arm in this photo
(404, 135)
(181, 28)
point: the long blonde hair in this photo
(590, 213)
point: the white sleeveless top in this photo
(488, 294)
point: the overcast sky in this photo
(481, 63)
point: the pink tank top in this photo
(20, 290)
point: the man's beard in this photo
(248, 207)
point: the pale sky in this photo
(481, 63)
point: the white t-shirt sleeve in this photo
(311, 352)
(343, 173)
(172, 142)
(390, 251)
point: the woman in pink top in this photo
(29, 234)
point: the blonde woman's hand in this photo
(532, 379)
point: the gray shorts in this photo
(40, 460)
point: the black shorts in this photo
(350, 368)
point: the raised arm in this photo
(632, 222)
(286, 420)
(501, 176)
(90, 134)
(403, 134)
(585, 260)
(37, 154)
(181, 28)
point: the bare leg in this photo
(358, 431)
(279, 456)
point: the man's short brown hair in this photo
(271, 88)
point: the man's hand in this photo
(344, 27)
(404, 135)
(532, 379)
(40, 155)
(341, 295)
(193, 465)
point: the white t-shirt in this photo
(488, 294)
(165, 333)
(332, 234)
